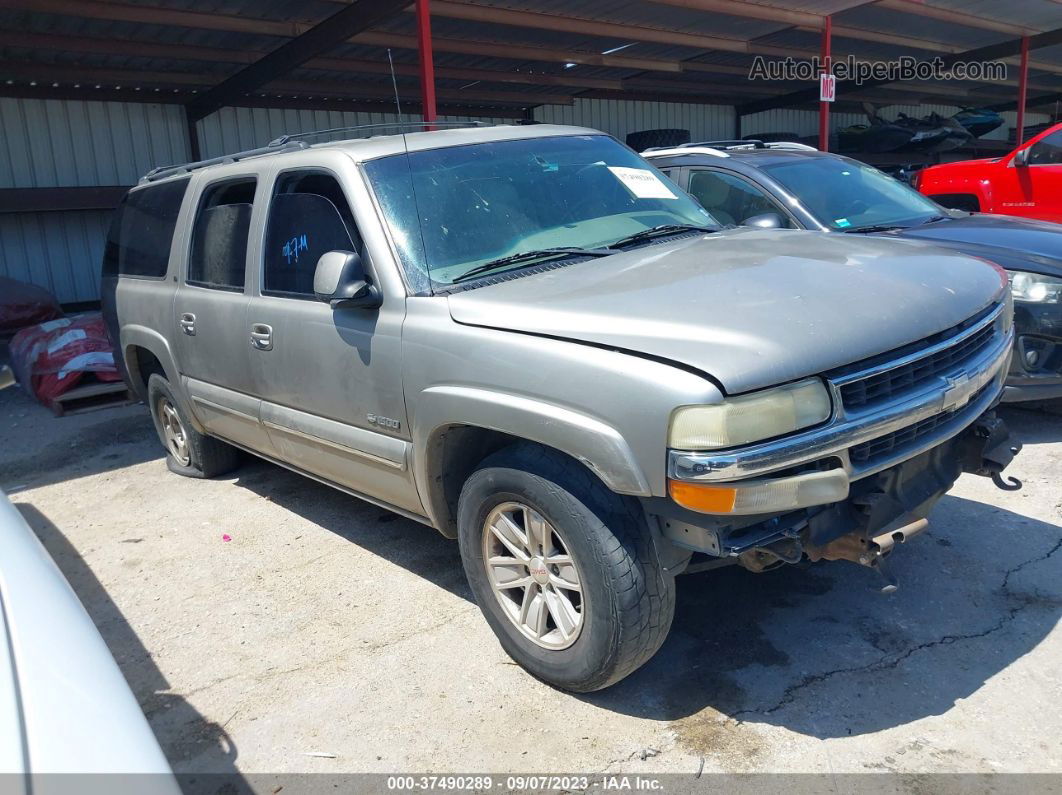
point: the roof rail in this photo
(732, 143)
(272, 148)
(285, 138)
(794, 145)
(289, 143)
(672, 151)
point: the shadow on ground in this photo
(816, 651)
(183, 732)
(69, 447)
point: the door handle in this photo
(188, 324)
(262, 337)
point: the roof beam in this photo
(283, 103)
(91, 75)
(186, 52)
(919, 8)
(326, 35)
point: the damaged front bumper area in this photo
(855, 487)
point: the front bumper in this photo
(1036, 368)
(942, 409)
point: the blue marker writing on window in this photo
(293, 247)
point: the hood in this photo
(1011, 242)
(751, 308)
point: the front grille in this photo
(868, 453)
(882, 387)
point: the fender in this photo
(134, 335)
(598, 445)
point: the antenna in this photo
(394, 82)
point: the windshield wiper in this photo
(528, 257)
(880, 228)
(657, 231)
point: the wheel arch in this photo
(460, 426)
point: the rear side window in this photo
(308, 217)
(218, 255)
(138, 243)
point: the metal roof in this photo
(490, 52)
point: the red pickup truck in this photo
(1027, 182)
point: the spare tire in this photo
(640, 141)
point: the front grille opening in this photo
(883, 387)
(884, 447)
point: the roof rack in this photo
(285, 138)
(289, 143)
(162, 172)
(720, 148)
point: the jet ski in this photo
(880, 137)
(978, 121)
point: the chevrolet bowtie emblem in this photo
(960, 389)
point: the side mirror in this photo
(340, 281)
(764, 221)
(7, 378)
(1021, 158)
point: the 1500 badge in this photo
(383, 422)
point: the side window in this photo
(1047, 151)
(308, 217)
(218, 255)
(138, 243)
(731, 199)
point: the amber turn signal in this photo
(702, 497)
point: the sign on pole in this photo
(827, 87)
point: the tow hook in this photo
(989, 450)
(871, 552)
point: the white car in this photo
(65, 708)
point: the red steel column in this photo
(427, 64)
(824, 107)
(1023, 80)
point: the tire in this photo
(200, 456)
(640, 141)
(626, 600)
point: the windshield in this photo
(481, 202)
(849, 196)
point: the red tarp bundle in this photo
(24, 304)
(51, 358)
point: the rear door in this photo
(329, 379)
(210, 314)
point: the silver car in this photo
(68, 721)
(531, 340)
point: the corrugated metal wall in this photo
(56, 143)
(619, 117)
(59, 143)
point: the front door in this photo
(1037, 186)
(330, 379)
(210, 315)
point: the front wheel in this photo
(564, 570)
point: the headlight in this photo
(1034, 288)
(750, 418)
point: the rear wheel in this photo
(563, 569)
(188, 452)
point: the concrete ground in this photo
(326, 626)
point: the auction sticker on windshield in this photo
(644, 184)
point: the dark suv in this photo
(794, 186)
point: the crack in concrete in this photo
(885, 663)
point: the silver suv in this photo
(531, 340)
